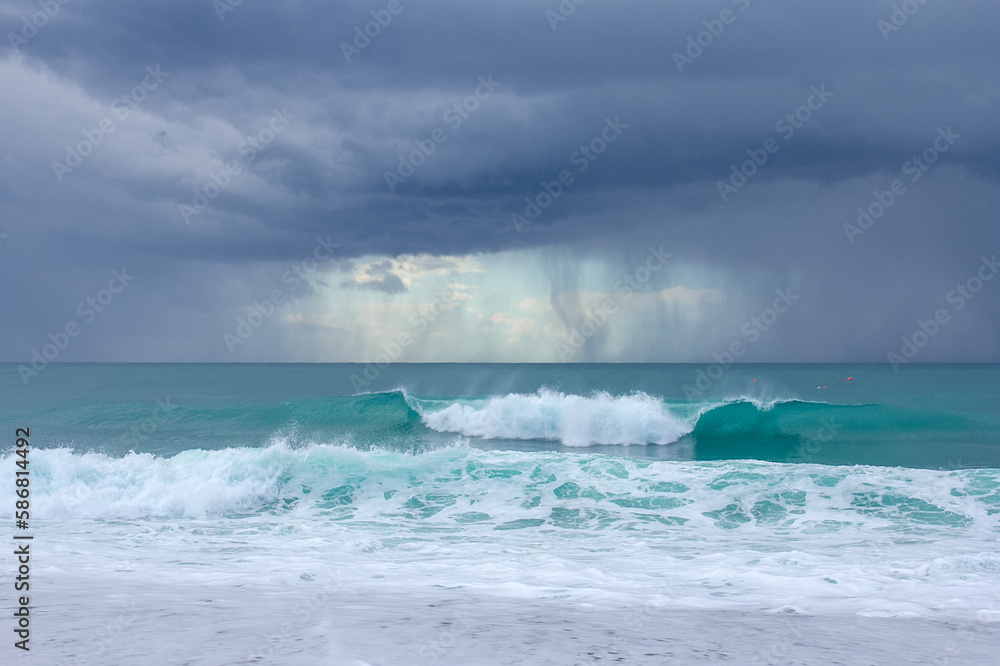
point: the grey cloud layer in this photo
(325, 172)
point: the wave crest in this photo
(573, 420)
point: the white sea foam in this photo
(593, 529)
(570, 419)
(192, 484)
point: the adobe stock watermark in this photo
(562, 12)
(121, 107)
(638, 616)
(964, 632)
(437, 647)
(912, 170)
(899, 17)
(137, 434)
(262, 310)
(752, 329)
(777, 651)
(104, 638)
(391, 351)
(809, 447)
(248, 149)
(786, 126)
(957, 298)
(223, 7)
(303, 612)
(581, 158)
(87, 310)
(625, 288)
(363, 35)
(31, 24)
(696, 44)
(457, 114)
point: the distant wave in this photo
(574, 420)
(799, 418)
(638, 418)
(398, 419)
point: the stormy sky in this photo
(435, 180)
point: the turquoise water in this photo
(878, 496)
(932, 416)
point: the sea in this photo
(504, 514)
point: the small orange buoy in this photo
(849, 379)
(755, 380)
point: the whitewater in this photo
(538, 517)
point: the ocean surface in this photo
(455, 513)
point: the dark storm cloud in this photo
(352, 122)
